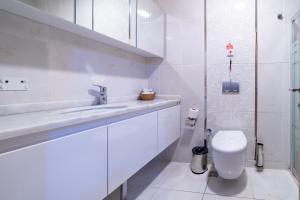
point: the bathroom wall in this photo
(182, 72)
(231, 21)
(274, 39)
(61, 66)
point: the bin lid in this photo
(200, 150)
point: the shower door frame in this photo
(295, 172)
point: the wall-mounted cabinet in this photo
(111, 18)
(84, 13)
(64, 9)
(125, 24)
(150, 27)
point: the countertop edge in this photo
(24, 131)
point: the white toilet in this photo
(229, 153)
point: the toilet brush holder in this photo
(199, 160)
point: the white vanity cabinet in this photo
(90, 164)
(72, 167)
(168, 127)
(132, 143)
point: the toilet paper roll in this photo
(193, 113)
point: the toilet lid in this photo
(229, 141)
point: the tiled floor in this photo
(175, 181)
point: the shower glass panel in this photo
(295, 101)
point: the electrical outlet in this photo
(13, 84)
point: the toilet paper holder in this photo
(192, 117)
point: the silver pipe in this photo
(205, 69)
(256, 80)
(93, 13)
(129, 18)
(75, 12)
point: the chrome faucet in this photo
(102, 98)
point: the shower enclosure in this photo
(295, 101)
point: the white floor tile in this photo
(150, 175)
(141, 193)
(178, 176)
(164, 194)
(240, 187)
(163, 181)
(217, 197)
(273, 185)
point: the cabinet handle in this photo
(294, 89)
(129, 17)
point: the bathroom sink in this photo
(93, 108)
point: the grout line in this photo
(153, 195)
(178, 190)
(230, 196)
(206, 187)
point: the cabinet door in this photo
(168, 127)
(60, 8)
(132, 143)
(72, 167)
(150, 27)
(84, 13)
(111, 18)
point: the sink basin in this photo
(93, 108)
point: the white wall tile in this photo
(192, 86)
(62, 66)
(241, 73)
(169, 79)
(271, 30)
(271, 134)
(173, 40)
(273, 91)
(192, 43)
(230, 21)
(24, 58)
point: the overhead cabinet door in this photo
(111, 18)
(150, 27)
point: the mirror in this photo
(150, 27)
(61, 8)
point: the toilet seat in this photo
(229, 141)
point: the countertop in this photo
(12, 126)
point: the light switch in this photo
(13, 84)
